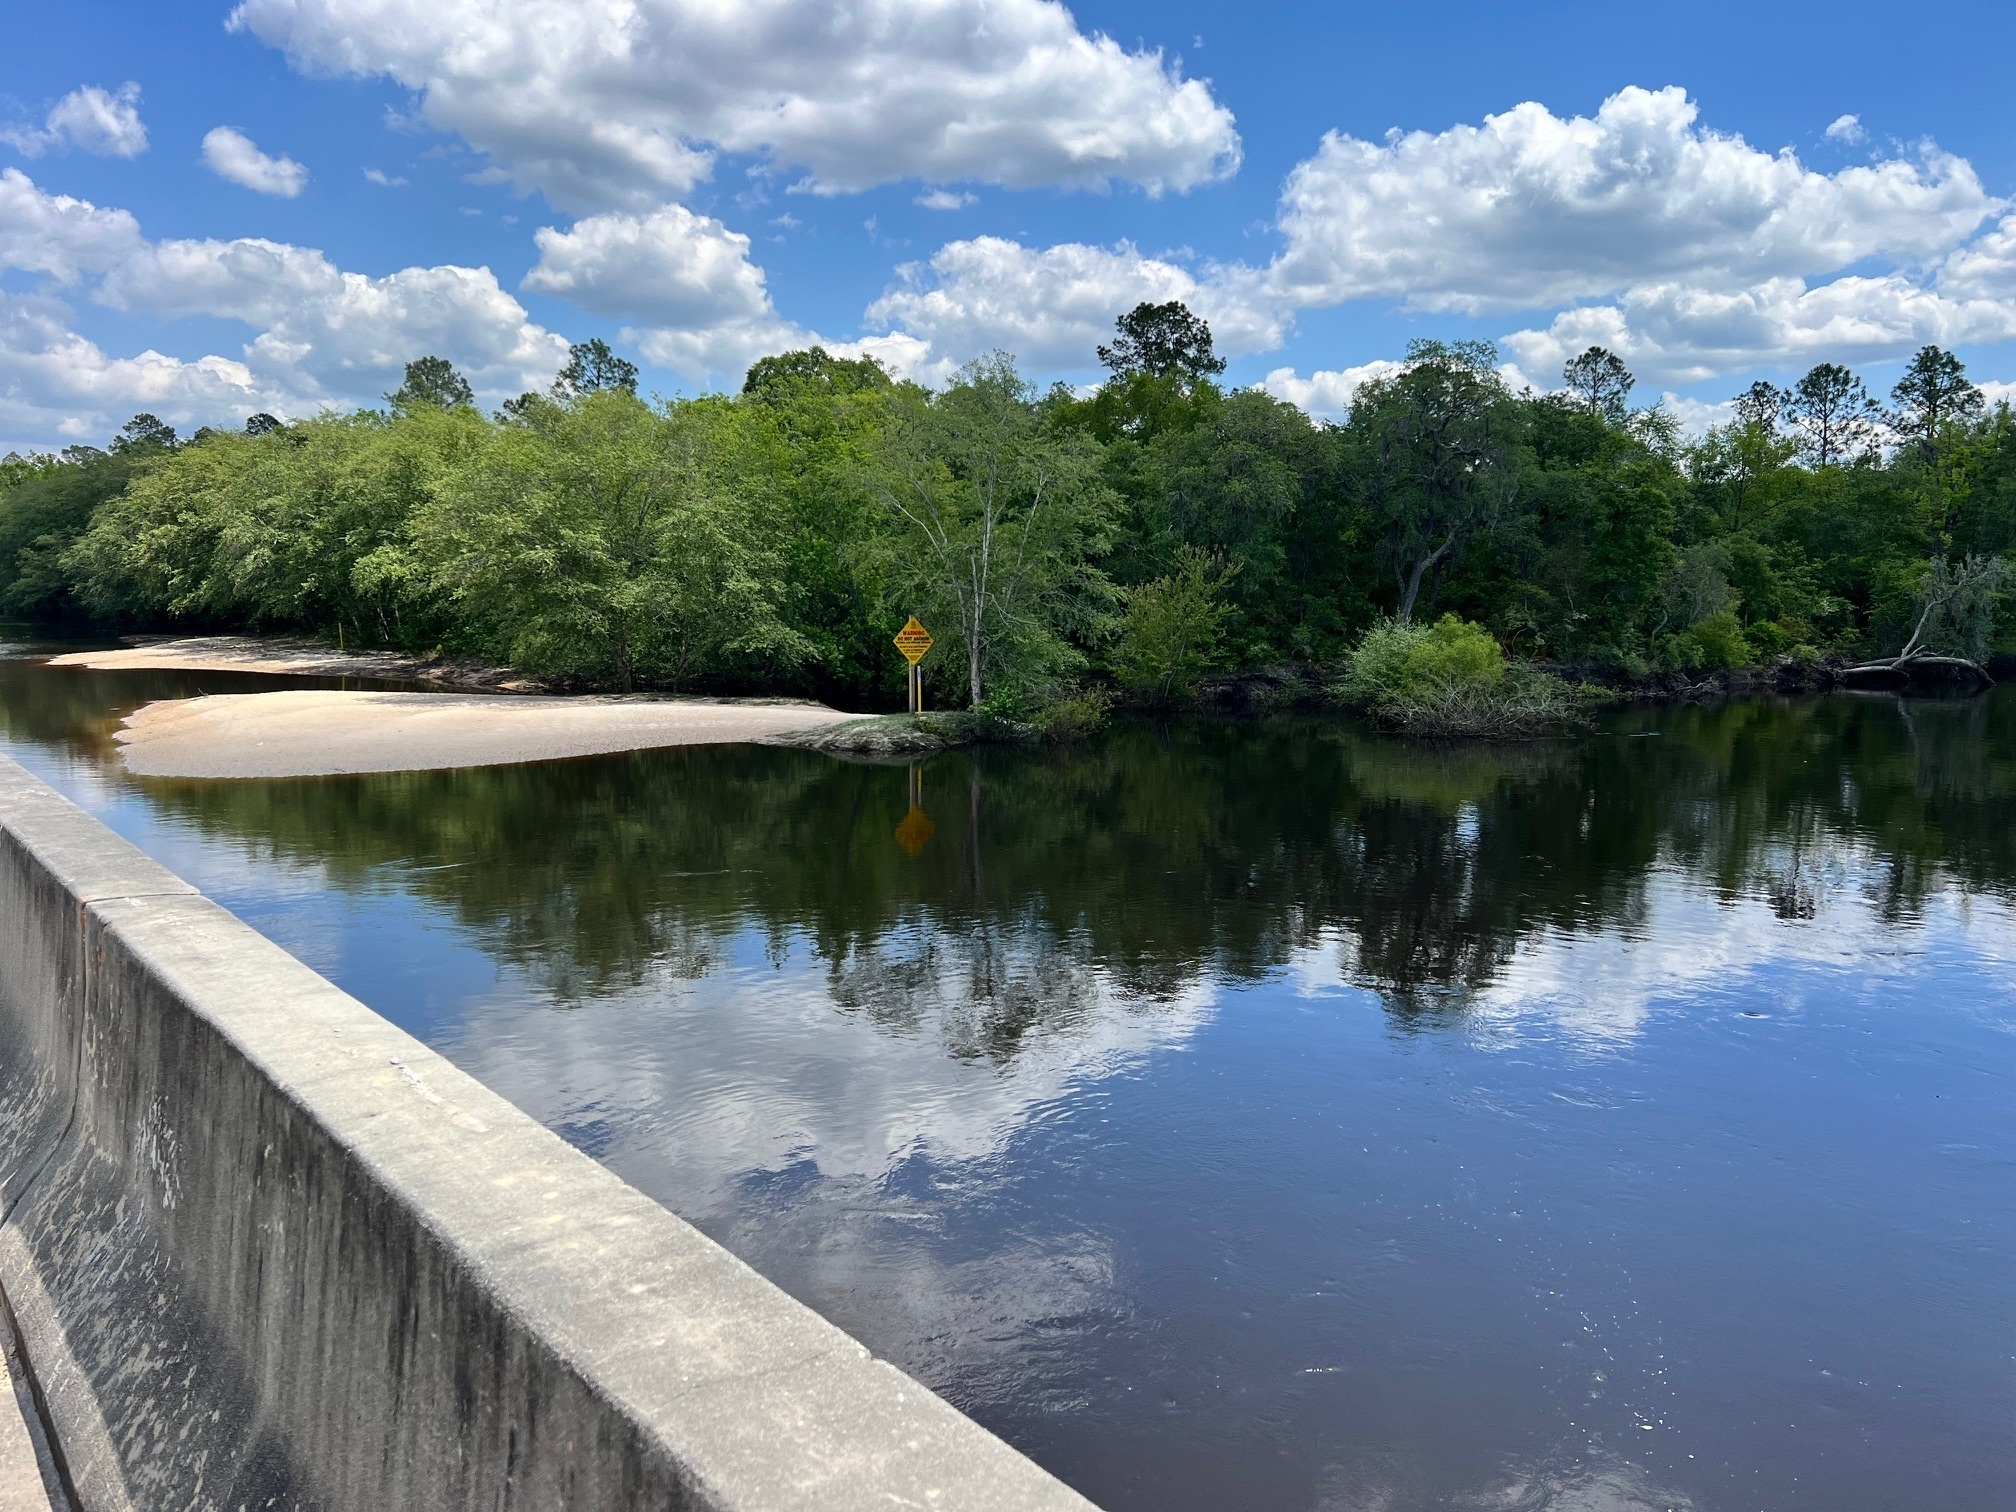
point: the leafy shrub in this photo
(1451, 679)
(1399, 661)
(1716, 644)
(1074, 716)
(1455, 654)
(1173, 630)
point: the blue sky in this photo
(187, 225)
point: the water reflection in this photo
(1274, 1117)
(1162, 857)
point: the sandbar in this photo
(301, 658)
(316, 733)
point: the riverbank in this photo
(1300, 688)
(298, 657)
(320, 732)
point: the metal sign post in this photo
(913, 640)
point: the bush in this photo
(1173, 630)
(1716, 644)
(1074, 716)
(1452, 679)
(1402, 661)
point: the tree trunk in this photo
(1901, 671)
(622, 651)
(1412, 590)
(973, 669)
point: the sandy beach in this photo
(300, 658)
(319, 733)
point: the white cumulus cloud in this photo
(91, 120)
(55, 383)
(698, 304)
(1848, 129)
(607, 104)
(320, 334)
(1052, 306)
(670, 267)
(1685, 249)
(1682, 333)
(1531, 209)
(57, 234)
(1326, 394)
(233, 155)
(330, 334)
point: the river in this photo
(1274, 1117)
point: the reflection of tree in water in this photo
(1158, 855)
(983, 989)
(77, 710)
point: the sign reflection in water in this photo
(1265, 1117)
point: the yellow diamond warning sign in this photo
(913, 640)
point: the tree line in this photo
(1141, 538)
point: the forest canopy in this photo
(1158, 532)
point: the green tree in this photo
(1436, 440)
(1933, 394)
(273, 530)
(611, 541)
(46, 509)
(1174, 627)
(1599, 382)
(593, 369)
(1762, 405)
(999, 521)
(1161, 341)
(794, 374)
(1831, 410)
(820, 416)
(144, 433)
(430, 380)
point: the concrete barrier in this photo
(263, 1250)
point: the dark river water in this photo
(1270, 1117)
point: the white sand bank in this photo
(245, 653)
(316, 733)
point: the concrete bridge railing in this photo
(263, 1250)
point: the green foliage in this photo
(607, 540)
(1154, 532)
(1450, 679)
(429, 380)
(592, 368)
(1714, 643)
(275, 530)
(1436, 462)
(811, 372)
(1072, 716)
(49, 502)
(997, 524)
(1173, 630)
(1600, 383)
(1395, 660)
(142, 434)
(1833, 414)
(1161, 341)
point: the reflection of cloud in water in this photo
(1601, 986)
(788, 1106)
(897, 1051)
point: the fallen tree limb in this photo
(1902, 671)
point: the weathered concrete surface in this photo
(311, 733)
(27, 1477)
(268, 1251)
